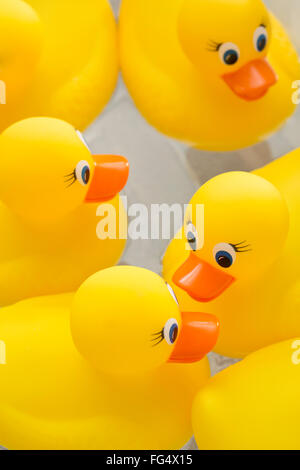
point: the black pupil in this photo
(231, 57)
(174, 334)
(224, 261)
(261, 43)
(86, 176)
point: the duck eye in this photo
(192, 236)
(82, 139)
(229, 53)
(224, 255)
(260, 38)
(82, 172)
(171, 331)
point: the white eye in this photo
(82, 139)
(191, 235)
(224, 254)
(229, 53)
(83, 172)
(172, 293)
(260, 38)
(171, 331)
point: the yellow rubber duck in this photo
(241, 261)
(253, 405)
(99, 370)
(58, 58)
(50, 188)
(217, 74)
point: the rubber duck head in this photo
(242, 233)
(20, 47)
(126, 320)
(47, 170)
(229, 40)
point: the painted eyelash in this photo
(158, 337)
(241, 247)
(70, 178)
(213, 46)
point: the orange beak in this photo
(253, 80)
(202, 281)
(110, 176)
(198, 336)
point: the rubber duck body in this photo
(247, 271)
(51, 187)
(253, 405)
(57, 59)
(106, 367)
(218, 74)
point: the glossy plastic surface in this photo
(199, 334)
(110, 176)
(172, 62)
(59, 59)
(122, 393)
(48, 231)
(252, 81)
(253, 405)
(254, 219)
(202, 281)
